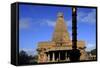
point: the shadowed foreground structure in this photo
(59, 49)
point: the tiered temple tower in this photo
(58, 48)
(60, 32)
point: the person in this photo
(74, 54)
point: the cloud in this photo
(47, 22)
(69, 23)
(87, 17)
(24, 23)
(90, 46)
(82, 17)
(52, 23)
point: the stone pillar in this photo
(53, 58)
(58, 56)
(48, 57)
(66, 56)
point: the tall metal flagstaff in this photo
(74, 27)
(74, 53)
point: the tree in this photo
(23, 57)
(93, 52)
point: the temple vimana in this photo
(58, 48)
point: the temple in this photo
(57, 50)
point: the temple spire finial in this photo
(60, 14)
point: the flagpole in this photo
(74, 27)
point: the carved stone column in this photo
(48, 57)
(58, 56)
(66, 56)
(53, 57)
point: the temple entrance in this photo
(55, 56)
(63, 55)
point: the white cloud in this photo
(50, 23)
(69, 23)
(88, 17)
(24, 23)
(90, 46)
(82, 17)
(47, 22)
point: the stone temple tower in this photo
(61, 32)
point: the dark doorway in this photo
(56, 55)
(62, 55)
(50, 56)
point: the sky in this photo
(37, 23)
